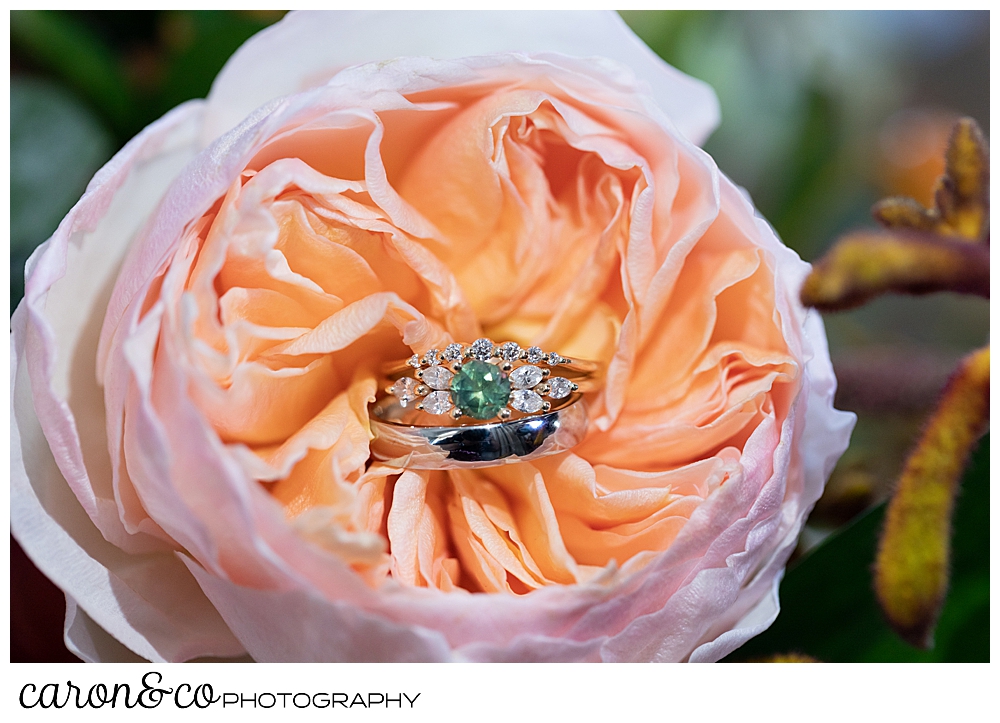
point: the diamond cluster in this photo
(481, 380)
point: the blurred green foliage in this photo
(803, 96)
(828, 606)
(132, 67)
(199, 44)
(56, 145)
(72, 53)
(84, 83)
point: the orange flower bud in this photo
(912, 146)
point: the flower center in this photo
(480, 390)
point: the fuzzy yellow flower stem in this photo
(865, 264)
(911, 569)
(963, 196)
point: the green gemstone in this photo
(480, 390)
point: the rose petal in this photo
(63, 311)
(308, 48)
(90, 642)
(301, 627)
(148, 602)
(749, 393)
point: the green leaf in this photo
(828, 608)
(62, 44)
(200, 44)
(56, 145)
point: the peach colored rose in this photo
(192, 364)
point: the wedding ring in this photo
(479, 405)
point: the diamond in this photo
(437, 378)
(525, 400)
(481, 349)
(526, 377)
(480, 390)
(405, 390)
(554, 359)
(453, 352)
(437, 402)
(433, 356)
(535, 355)
(414, 361)
(560, 387)
(509, 351)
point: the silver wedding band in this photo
(474, 445)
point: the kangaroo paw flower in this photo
(864, 264)
(911, 569)
(961, 198)
(905, 213)
(789, 658)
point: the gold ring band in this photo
(483, 381)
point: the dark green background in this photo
(828, 607)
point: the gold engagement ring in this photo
(480, 404)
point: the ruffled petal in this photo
(308, 48)
(386, 210)
(147, 601)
